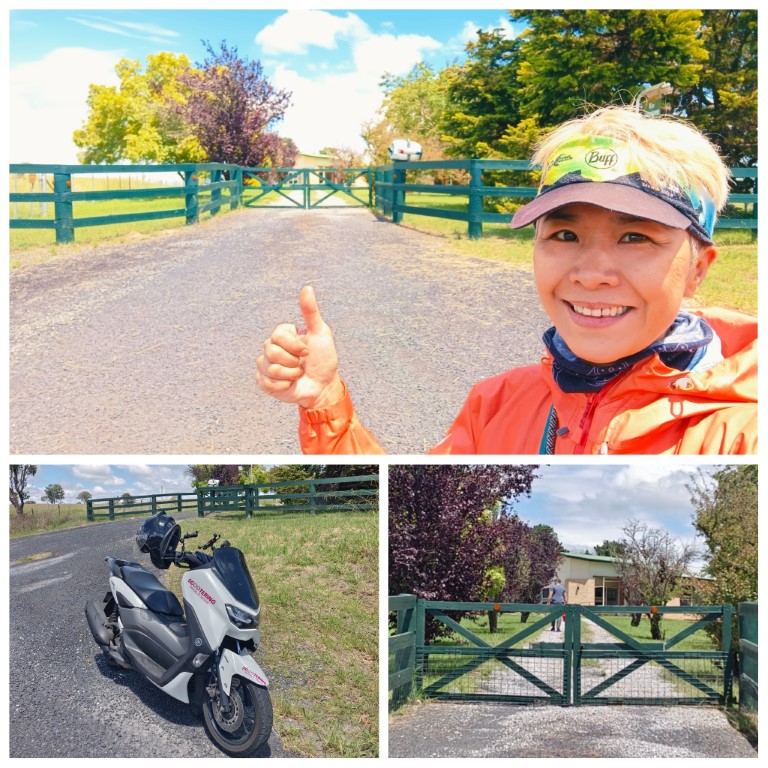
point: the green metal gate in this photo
(671, 671)
(307, 187)
(592, 661)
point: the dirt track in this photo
(148, 346)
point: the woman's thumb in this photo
(313, 320)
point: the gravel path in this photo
(148, 346)
(450, 730)
(470, 729)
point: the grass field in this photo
(40, 517)
(317, 577)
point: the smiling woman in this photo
(625, 215)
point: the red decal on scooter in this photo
(201, 592)
(254, 675)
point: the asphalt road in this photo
(64, 700)
(149, 346)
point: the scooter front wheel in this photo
(246, 725)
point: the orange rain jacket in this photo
(651, 409)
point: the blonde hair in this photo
(670, 151)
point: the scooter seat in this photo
(152, 592)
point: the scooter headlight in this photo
(242, 619)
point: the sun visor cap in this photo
(600, 171)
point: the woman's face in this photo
(611, 283)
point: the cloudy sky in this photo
(590, 503)
(330, 60)
(110, 480)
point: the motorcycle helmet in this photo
(159, 536)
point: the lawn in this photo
(317, 577)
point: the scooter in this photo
(201, 653)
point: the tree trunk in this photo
(636, 619)
(656, 626)
(524, 616)
(493, 622)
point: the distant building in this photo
(593, 580)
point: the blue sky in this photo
(109, 480)
(330, 60)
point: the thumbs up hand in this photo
(301, 366)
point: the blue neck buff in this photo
(683, 347)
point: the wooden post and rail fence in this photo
(337, 494)
(210, 187)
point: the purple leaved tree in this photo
(446, 532)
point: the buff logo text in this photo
(201, 592)
(601, 158)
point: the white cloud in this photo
(100, 473)
(48, 102)
(297, 30)
(330, 108)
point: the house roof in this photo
(593, 558)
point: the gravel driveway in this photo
(442, 729)
(148, 346)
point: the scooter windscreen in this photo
(229, 563)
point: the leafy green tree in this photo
(53, 493)
(84, 496)
(574, 57)
(19, 475)
(609, 548)
(483, 96)
(137, 120)
(726, 515)
(723, 103)
(127, 499)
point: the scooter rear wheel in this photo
(247, 725)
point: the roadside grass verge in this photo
(317, 578)
(41, 517)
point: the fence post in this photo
(236, 191)
(178, 503)
(62, 208)
(398, 195)
(89, 510)
(191, 182)
(419, 628)
(475, 223)
(200, 505)
(111, 509)
(312, 487)
(215, 193)
(730, 652)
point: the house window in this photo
(607, 591)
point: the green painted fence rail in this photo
(748, 656)
(314, 496)
(324, 495)
(392, 188)
(199, 191)
(209, 187)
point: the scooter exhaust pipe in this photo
(97, 621)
